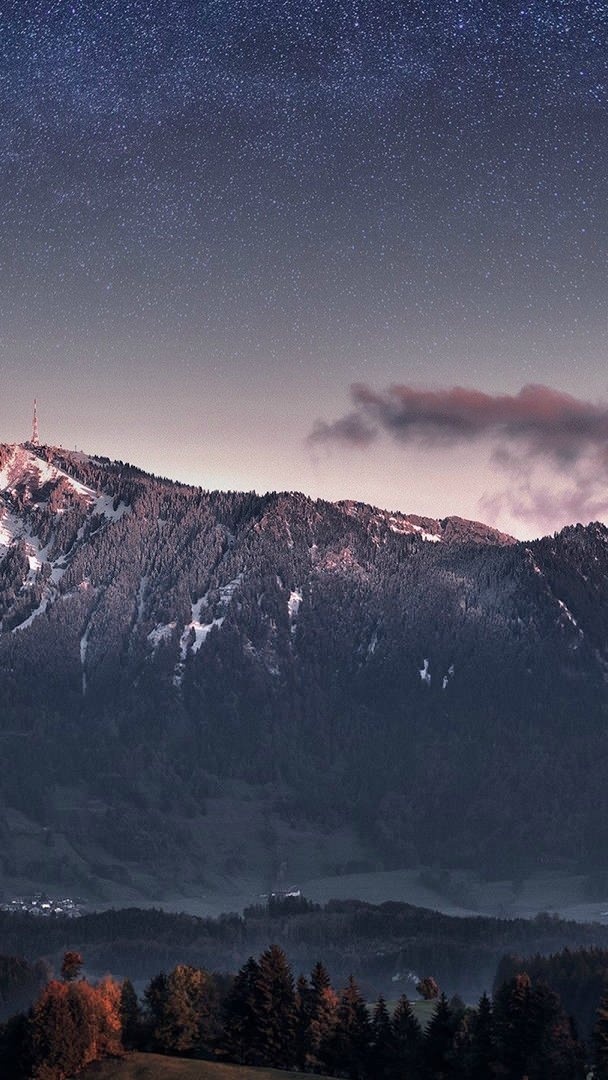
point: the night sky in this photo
(217, 217)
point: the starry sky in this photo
(217, 218)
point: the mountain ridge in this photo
(199, 684)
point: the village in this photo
(43, 906)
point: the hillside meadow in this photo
(158, 1067)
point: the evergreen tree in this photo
(303, 994)
(275, 1010)
(513, 1026)
(407, 1042)
(534, 1036)
(239, 1040)
(381, 1055)
(600, 1041)
(323, 1015)
(130, 1016)
(155, 997)
(439, 1041)
(349, 1047)
(482, 1053)
(16, 1048)
(556, 1051)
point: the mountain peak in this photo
(27, 479)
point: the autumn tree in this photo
(177, 1005)
(71, 966)
(72, 1025)
(427, 988)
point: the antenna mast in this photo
(35, 433)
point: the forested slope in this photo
(195, 683)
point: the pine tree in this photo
(534, 1036)
(275, 1010)
(407, 1042)
(556, 1050)
(16, 1048)
(155, 997)
(323, 1015)
(512, 1025)
(239, 1041)
(382, 1056)
(439, 1041)
(600, 1041)
(349, 1047)
(482, 1055)
(130, 1016)
(303, 993)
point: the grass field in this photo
(422, 1010)
(156, 1067)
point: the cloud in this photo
(536, 429)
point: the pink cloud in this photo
(536, 426)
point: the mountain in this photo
(198, 687)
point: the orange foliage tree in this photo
(73, 1024)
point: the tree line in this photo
(264, 1017)
(375, 942)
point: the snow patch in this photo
(84, 644)
(293, 607)
(24, 468)
(141, 592)
(227, 591)
(104, 506)
(40, 610)
(404, 527)
(161, 632)
(449, 675)
(567, 612)
(201, 630)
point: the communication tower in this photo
(35, 432)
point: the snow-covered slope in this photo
(29, 479)
(46, 515)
